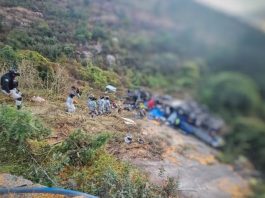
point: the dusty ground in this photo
(193, 163)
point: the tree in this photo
(248, 138)
(230, 94)
(188, 75)
(99, 33)
(82, 34)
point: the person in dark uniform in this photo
(9, 86)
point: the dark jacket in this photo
(8, 82)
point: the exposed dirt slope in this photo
(194, 163)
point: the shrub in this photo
(248, 138)
(18, 126)
(188, 75)
(259, 189)
(40, 62)
(19, 39)
(81, 147)
(109, 177)
(17, 130)
(99, 77)
(99, 33)
(82, 34)
(230, 94)
(44, 29)
(8, 57)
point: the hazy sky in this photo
(237, 7)
(252, 11)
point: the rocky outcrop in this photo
(19, 16)
(10, 181)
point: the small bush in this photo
(248, 139)
(99, 33)
(230, 94)
(8, 57)
(99, 77)
(18, 126)
(259, 189)
(17, 130)
(82, 34)
(81, 147)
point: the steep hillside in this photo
(151, 36)
(175, 46)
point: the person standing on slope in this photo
(70, 99)
(107, 105)
(9, 86)
(92, 106)
(101, 102)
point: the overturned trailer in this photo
(195, 119)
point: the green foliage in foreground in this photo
(80, 162)
(18, 126)
(81, 148)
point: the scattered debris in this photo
(140, 141)
(128, 139)
(37, 99)
(110, 88)
(129, 121)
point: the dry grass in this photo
(63, 124)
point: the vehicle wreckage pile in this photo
(187, 115)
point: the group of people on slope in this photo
(9, 87)
(99, 106)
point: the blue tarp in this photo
(156, 113)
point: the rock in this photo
(8, 181)
(37, 99)
(98, 47)
(20, 16)
(111, 60)
(115, 40)
(128, 121)
(72, 183)
(86, 55)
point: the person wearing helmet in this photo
(107, 105)
(70, 99)
(92, 106)
(9, 86)
(101, 102)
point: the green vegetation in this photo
(79, 162)
(18, 126)
(98, 77)
(8, 57)
(259, 189)
(230, 93)
(247, 139)
(234, 95)
(161, 53)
